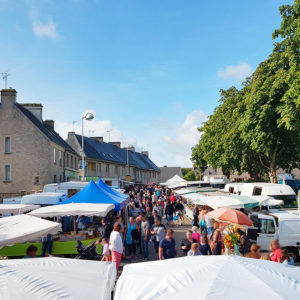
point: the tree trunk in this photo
(273, 175)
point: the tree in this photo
(252, 129)
(185, 171)
(190, 176)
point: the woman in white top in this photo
(116, 245)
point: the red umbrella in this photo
(231, 216)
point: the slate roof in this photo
(168, 172)
(46, 129)
(109, 152)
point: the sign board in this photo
(128, 178)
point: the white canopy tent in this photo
(24, 228)
(16, 208)
(56, 278)
(208, 277)
(74, 209)
(175, 181)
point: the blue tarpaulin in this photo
(102, 185)
(93, 194)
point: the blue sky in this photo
(150, 70)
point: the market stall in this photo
(24, 228)
(56, 278)
(208, 277)
(16, 209)
(73, 209)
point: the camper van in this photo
(44, 199)
(69, 188)
(283, 226)
(276, 191)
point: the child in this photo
(194, 250)
(105, 250)
(204, 247)
(285, 258)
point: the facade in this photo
(32, 154)
(112, 163)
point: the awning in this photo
(73, 209)
(56, 278)
(16, 208)
(24, 228)
(210, 278)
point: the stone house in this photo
(112, 163)
(32, 154)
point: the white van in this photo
(69, 188)
(44, 198)
(283, 226)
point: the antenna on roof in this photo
(74, 125)
(108, 131)
(4, 77)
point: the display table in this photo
(59, 248)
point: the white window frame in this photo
(7, 178)
(7, 137)
(54, 156)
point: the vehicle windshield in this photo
(289, 201)
(276, 206)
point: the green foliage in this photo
(256, 129)
(185, 171)
(190, 176)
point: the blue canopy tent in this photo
(93, 194)
(124, 199)
(102, 185)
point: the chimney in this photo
(36, 109)
(145, 153)
(130, 148)
(8, 97)
(118, 144)
(70, 133)
(50, 123)
(98, 138)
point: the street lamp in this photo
(129, 146)
(88, 117)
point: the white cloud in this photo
(179, 145)
(99, 128)
(47, 30)
(239, 72)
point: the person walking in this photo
(47, 244)
(158, 231)
(116, 245)
(169, 210)
(179, 208)
(196, 216)
(275, 251)
(145, 236)
(187, 242)
(129, 240)
(216, 245)
(167, 246)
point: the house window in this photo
(72, 162)
(75, 163)
(7, 173)
(36, 180)
(54, 156)
(7, 144)
(54, 179)
(60, 178)
(68, 160)
(60, 158)
(107, 171)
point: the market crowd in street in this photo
(153, 213)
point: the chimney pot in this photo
(118, 144)
(36, 109)
(8, 96)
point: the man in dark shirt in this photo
(187, 243)
(167, 247)
(106, 229)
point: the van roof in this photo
(272, 189)
(284, 215)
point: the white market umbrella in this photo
(56, 278)
(209, 277)
(24, 228)
(73, 209)
(16, 208)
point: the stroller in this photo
(87, 252)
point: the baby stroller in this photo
(87, 252)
